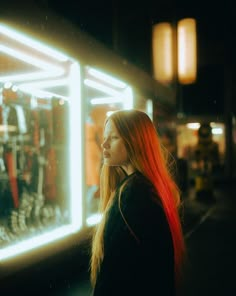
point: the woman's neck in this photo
(129, 169)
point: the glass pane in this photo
(40, 144)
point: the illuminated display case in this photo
(52, 111)
(41, 144)
(54, 99)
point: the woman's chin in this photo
(107, 162)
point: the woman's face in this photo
(114, 151)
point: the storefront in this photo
(205, 150)
(53, 103)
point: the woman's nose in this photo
(105, 144)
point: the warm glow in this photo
(217, 131)
(162, 46)
(193, 125)
(7, 128)
(187, 48)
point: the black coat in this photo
(141, 263)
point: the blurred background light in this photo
(187, 49)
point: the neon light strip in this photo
(10, 33)
(46, 83)
(30, 76)
(36, 241)
(75, 144)
(106, 100)
(149, 108)
(30, 60)
(101, 87)
(106, 78)
(127, 94)
(128, 98)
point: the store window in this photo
(40, 144)
(52, 112)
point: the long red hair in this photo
(146, 156)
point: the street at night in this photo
(210, 233)
(65, 68)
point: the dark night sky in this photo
(129, 22)
(125, 26)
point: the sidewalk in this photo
(210, 234)
(211, 245)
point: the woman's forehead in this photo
(110, 127)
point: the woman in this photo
(138, 246)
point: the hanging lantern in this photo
(162, 48)
(187, 48)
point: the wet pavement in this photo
(210, 234)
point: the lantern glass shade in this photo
(162, 50)
(187, 51)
